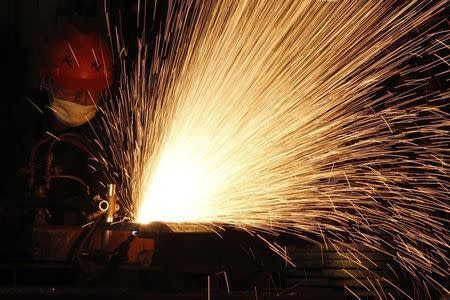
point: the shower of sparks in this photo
(276, 116)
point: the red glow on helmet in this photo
(80, 61)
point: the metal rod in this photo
(111, 198)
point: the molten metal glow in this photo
(180, 189)
(278, 116)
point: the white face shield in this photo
(72, 114)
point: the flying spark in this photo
(281, 117)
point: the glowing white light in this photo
(179, 189)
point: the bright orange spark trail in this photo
(273, 116)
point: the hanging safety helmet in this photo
(79, 61)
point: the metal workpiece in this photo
(155, 229)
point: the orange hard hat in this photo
(79, 61)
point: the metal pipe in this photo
(111, 198)
(70, 138)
